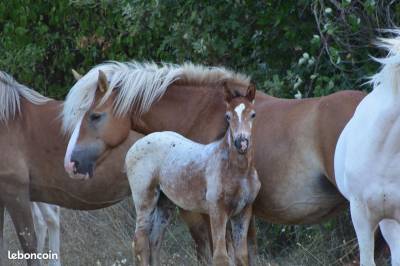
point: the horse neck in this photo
(195, 112)
(38, 119)
(44, 146)
(236, 162)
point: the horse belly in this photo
(310, 199)
(187, 192)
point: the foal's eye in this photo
(253, 115)
(95, 117)
(228, 117)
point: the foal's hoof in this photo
(220, 260)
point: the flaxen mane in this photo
(10, 93)
(139, 86)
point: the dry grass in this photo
(103, 237)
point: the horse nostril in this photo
(76, 164)
(245, 142)
(241, 143)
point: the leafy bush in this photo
(315, 47)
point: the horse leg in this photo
(391, 232)
(145, 198)
(40, 226)
(219, 219)
(51, 215)
(229, 242)
(381, 246)
(21, 215)
(161, 219)
(364, 225)
(240, 229)
(199, 228)
(252, 241)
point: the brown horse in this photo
(218, 179)
(32, 147)
(295, 139)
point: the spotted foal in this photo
(218, 179)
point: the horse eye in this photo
(253, 115)
(227, 117)
(95, 117)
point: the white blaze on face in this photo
(68, 165)
(239, 110)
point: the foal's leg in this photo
(51, 215)
(145, 198)
(161, 219)
(219, 219)
(364, 224)
(229, 243)
(252, 241)
(240, 229)
(391, 232)
(199, 227)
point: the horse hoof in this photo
(221, 261)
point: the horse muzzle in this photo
(242, 144)
(82, 164)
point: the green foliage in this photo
(312, 47)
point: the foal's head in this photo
(240, 114)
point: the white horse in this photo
(367, 159)
(46, 217)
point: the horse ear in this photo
(102, 82)
(76, 75)
(251, 92)
(227, 92)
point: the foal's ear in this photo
(102, 82)
(251, 92)
(229, 94)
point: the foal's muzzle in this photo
(242, 144)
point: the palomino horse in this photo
(33, 146)
(46, 218)
(367, 159)
(295, 139)
(218, 179)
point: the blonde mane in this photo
(139, 86)
(10, 93)
(389, 75)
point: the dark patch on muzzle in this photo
(242, 144)
(84, 161)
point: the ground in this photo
(103, 237)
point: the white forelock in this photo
(139, 86)
(10, 93)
